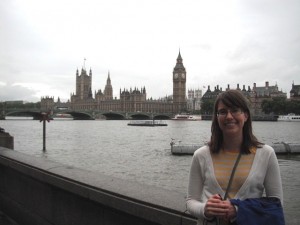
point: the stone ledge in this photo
(147, 202)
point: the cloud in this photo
(44, 42)
(17, 92)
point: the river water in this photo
(142, 154)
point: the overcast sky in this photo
(138, 41)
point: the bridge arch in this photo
(80, 115)
(162, 117)
(91, 115)
(113, 116)
(140, 116)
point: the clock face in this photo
(183, 75)
(176, 75)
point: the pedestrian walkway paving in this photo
(5, 220)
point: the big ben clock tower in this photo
(179, 86)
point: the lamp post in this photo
(44, 118)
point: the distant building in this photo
(62, 105)
(255, 95)
(295, 92)
(135, 99)
(266, 92)
(47, 103)
(83, 97)
(194, 100)
(108, 90)
(211, 94)
(132, 100)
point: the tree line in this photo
(20, 105)
(280, 106)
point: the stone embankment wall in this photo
(6, 140)
(36, 191)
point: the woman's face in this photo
(231, 120)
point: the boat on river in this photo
(289, 118)
(147, 123)
(187, 117)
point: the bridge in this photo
(87, 114)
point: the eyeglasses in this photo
(233, 112)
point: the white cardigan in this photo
(264, 175)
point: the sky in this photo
(137, 42)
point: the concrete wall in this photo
(36, 191)
(6, 140)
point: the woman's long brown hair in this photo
(232, 99)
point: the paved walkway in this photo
(5, 220)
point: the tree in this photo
(207, 107)
(280, 106)
(293, 107)
(266, 106)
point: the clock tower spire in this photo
(179, 86)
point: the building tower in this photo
(84, 84)
(83, 96)
(179, 86)
(194, 100)
(108, 90)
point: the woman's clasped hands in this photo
(216, 207)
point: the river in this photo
(142, 154)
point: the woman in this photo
(257, 170)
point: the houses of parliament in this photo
(135, 100)
(131, 100)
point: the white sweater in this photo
(264, 175)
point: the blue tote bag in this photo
(259, 211)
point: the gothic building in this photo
(132, 100)
(107, 94)
(135, 99)
(83, 84)
(83, 98)
(179, 86)
(48, 104)
(194, 100)
(108, 90)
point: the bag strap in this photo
(230, 180)
(232, 175)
